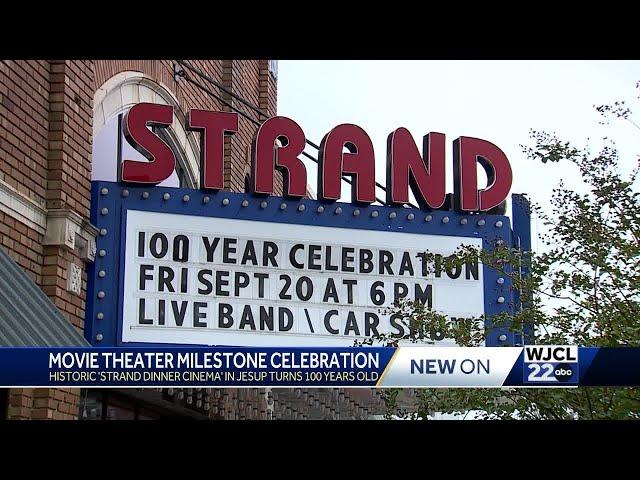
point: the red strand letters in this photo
(345, 150)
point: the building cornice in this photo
(66, 228)
(22, 208)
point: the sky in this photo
(498, 101)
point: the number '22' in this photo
(541, 372)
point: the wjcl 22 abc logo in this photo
(551, 365)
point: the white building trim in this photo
(67, 228)
(59, 227)
(22, 208)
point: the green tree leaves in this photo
(583, 289)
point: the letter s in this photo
(162, 161)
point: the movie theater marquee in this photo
(229, 281)
(211, 267)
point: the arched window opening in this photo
(111, 102)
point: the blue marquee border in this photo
(111, 201)
(521, 212)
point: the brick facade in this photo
(46, 134)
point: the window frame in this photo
(273, 68)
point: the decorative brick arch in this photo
(249, 78)
(125, 89)
(161, 72)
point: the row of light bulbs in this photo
(267, 404)
(333, 404)
(199, 397)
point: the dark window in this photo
(144, 414)
(4, 403)
(106, 405)
(91, 403)
(118, 410)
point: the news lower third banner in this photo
(385, 367)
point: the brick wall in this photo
(46, 114)
(24, 246)
(43, 404)
(24, 126)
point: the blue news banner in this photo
(405, 366)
